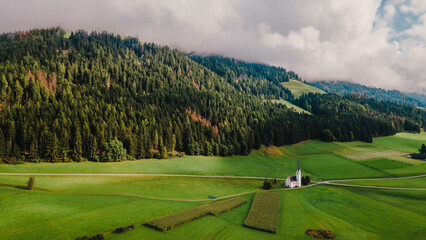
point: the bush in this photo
(264, 212)
(320, 234)
(308, 180)
(171, 221)
(30, 183)
(114, 152)
(267, 184)
(124, 229)
(271, 183)
(96, 237)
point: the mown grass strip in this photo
(264, 212)
(171, 221)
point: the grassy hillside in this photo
(316, 208)
(155, 187)
(291, 106)
(319, 159)
(298, 88)
(66, 207)
(402, 183)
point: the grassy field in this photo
(291, 106)
(406, 142)
(322, 207)
(298, 88)
(384, 164)
(331, 166)
(66, 207)
(401, 183)
(264, 212)
(257, 164)
(158, 187)
(50, 215)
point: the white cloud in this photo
(304, 38)
(418, 30)
(318, 39)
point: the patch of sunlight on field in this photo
(406, 142)
(405, 160)
(270, 150)
(159, 187)
(298, 88)
(332, 166)
(291, 106)
(384, 164)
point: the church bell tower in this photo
(299, 175)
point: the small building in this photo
(294, 181)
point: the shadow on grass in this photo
(22, 187)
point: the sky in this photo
(379, 43)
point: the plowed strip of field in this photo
(368, 155)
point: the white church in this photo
(294, 181)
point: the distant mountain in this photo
(346, 88)
(419, 97)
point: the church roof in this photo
(292, 178)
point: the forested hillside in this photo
(346, 88)
(419, 97)
(68, 97)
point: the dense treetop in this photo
(346, 88)
(104, 97)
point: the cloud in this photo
(318, 39)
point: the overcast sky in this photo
(373, 42)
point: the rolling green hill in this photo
(298, 88)
(291, 106)
(62, 207)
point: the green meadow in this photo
(67, 207)
(349, 213)
(298, 88)
(291, 106)
(402, 183)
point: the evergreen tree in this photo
(422, 149)
(3, 147)
(78, 149)
(162, 150)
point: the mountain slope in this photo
(68, 97)
(345, 88)
(419, 97)
(299, 88)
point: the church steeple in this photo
(299, 174)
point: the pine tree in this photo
(162, 151)
(422, 150)
(52, 147)
(77, 145)
(3, 147)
